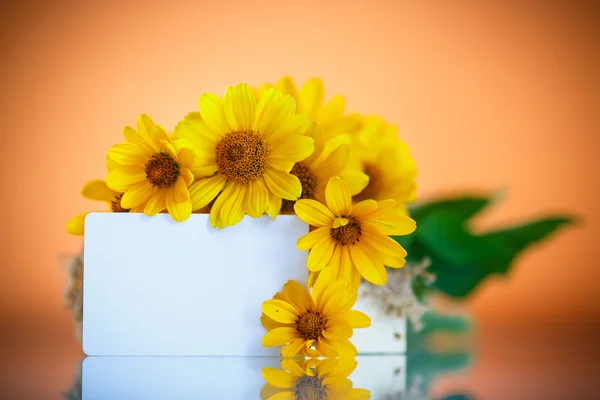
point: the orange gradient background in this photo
(497, 96)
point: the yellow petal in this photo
(128, 154)
(180, 190)
(322, 282)
(167, 147)
(338, 302)
(267, 392)
(326, 349)
(282, 184)
(186, 157)
(396, 226)
(311, 97)
(316, 134)
(334, 162)
(344, 347)
(279, 336)
(313, 213)
(137, 195)
(274, 205)
(257, 198)
(340, 222)
(205, 190)
(195, 130)
(239, 105)
(179, 210)
(290, 149)
(187, 175)
(357, 319)
(367, 267)
(306, 242)
(144, 127)
(287, 86)
(283, 396)
(278, 378)
(337, 195)
(320, 254)
(293, 365)
(156, 203)
(359, 394)
(356, 180)
(297, 295)
(133, 137)
(293, 348)
(270, 324)
(213, 114)
(363, 207)
(343, 368)
(123, 178)
(294, 126)
(98, 190)
(280, 311)
(309, 349)
(75, 226)
(271, 112)
(333, 110)
(383, 243)
(232, 210)
(158, 134)
(338, 386)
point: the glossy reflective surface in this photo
(556, 361)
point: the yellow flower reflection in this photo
(311, 379)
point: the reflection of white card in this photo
(153, 286)
(227, 378)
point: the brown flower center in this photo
(310, 388)
(347, 234)
(115, 205)
(309, 183)
(162, 170)
(242, 156)
(311, 325)
(373, 189)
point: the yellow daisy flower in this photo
(95, 190)
(300, 379)
(316, 323)
(310, 101)
(352, 240)
(152, 171)
(315, 171)
(245, 152)
(378, 151)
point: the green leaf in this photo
(458, 281)
(511, 241)
(463, 208)
(444, 235)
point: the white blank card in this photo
(156, 287)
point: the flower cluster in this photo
(278, 149)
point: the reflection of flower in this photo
(311, 379)
(315, 324)
(74, 292)
(245, 150)
(351, 240)
(152, 173)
